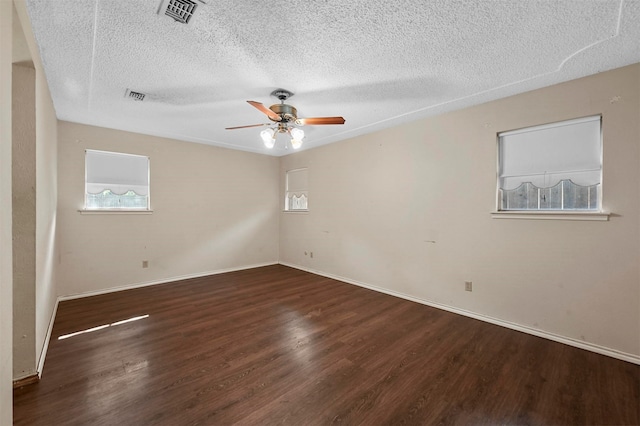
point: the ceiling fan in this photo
(285, 120)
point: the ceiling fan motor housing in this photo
(287, 112)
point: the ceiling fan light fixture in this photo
(296, 137)
(296, 143)
(297, 134)
(268, 137)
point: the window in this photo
(551, 167)
(116, 181)
(296, 198)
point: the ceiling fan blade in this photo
(314, 121)
(244, 127)
(272, 115)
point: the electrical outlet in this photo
(145, 263)
(468, 286)
(311, 255)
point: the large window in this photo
(296, 197)
(551, 167)
(116, 181)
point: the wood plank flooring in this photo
(276, 345)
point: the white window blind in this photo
(116, 180)
(545, 155)
(551, 167)
(297, 182)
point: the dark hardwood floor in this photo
(276, 345)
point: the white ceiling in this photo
(376, 63)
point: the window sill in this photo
(550, 215)
(295, 211)
(115, 211)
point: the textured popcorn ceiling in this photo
(376, 63)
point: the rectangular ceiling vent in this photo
(136, 96)
(179, 10)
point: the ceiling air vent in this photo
(180, 10)
(136, 96)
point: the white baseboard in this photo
(635, 359)
(161, 281)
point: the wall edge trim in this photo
(161, 281)
(602, 350)
(45, 345)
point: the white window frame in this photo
(126, 210)
(288, 207)
(568, 214)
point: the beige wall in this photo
(24, 220)
(35, 183)
(6, 258)
(407, 210)
(214, 209)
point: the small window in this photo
(551, 167)
(296, 198)
(116, 181)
